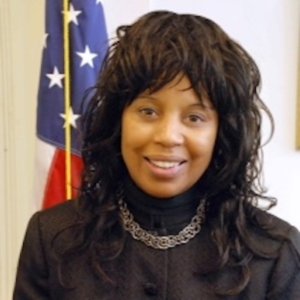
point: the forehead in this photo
(179, 86)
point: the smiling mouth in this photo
(165, 164)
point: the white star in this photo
(72, 14)
(55, 78)
(45, 39)
(87, 57)
(72, 118)
(98, 1)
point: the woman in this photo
(168, 204)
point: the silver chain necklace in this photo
(166, 241)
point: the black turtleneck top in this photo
(162, 216)
(140, 272)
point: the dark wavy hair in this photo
(147, 55)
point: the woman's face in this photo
(168, 139)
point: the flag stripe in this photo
(56, 193)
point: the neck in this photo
(162, 216)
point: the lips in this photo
(165, 162)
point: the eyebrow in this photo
(205, 104)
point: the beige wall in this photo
(21, 39)
(21, 35)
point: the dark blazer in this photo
(144, 273)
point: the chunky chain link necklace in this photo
(166, 241)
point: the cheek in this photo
(125, 138)
(132, 138)
(134, 133)
(203, 147)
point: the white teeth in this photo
(165, 164)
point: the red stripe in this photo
(55, 191)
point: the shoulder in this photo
(280, 236)
(37, 257)
(65, 212)
(284, 280)
(48, 223)
(277, 227)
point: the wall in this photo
(21, 32)
(269, 29)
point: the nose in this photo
(169, 132)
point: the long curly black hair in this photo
(147, 55)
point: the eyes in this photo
(192, 117)
(148, 112)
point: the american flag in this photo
(88, 45)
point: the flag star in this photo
(72, 14)
(87, 57)
(55, 78)
(72, 118)
(98, 1)
(45, 39)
